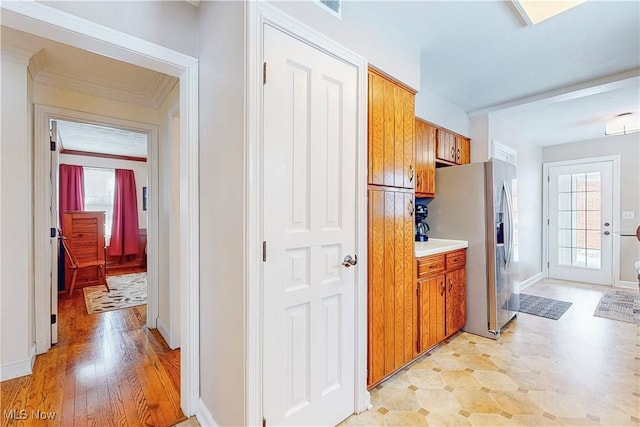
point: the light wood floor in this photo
(107, 369)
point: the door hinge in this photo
(52, 232)
(548, 178)
(548, 223)
(264, 422)
(547, 264)
(264, 73)
(264, 251)
(53, 135)
(54, 319)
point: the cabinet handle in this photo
(418, 181)
(458, 154)
(410, 206)
(453, 152)
(450, 285)
(441, 288)
(410, 173)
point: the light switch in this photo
(628, 214)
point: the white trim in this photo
(54, 24)
(615, 231)
(44, 21)
(42, 241)
(204, 416)
(162, 329)
(504, 152)
(259, 14)
(19, 368)
(627, 285)
(174, 232)
(530, 281)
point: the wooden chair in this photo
(76, 265)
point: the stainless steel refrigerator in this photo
(474, 202)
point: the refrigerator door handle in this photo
(508, 240)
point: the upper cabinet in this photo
(391, 133)
(452, 149)
(425, 159)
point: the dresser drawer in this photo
(429, 265)
(456, 259)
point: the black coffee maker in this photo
(422, 228)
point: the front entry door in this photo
(581, 222)
(310, 134)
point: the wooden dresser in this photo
(84, 231)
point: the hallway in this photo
(107, 369)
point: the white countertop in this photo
(438, 246)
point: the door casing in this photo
(50, 23)
(616, 211)
(259, 14)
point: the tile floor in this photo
(579, 370)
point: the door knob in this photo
(606, 233)
(348, 261)
(606, 224)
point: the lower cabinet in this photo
(441, 290)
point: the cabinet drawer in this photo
(456, 259)
(430, 265)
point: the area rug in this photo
(619, 305)
(127, 290)
(543, 307)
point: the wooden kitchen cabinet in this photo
(391, 283)
(452, 149)
(441, 291)
(425, 159)
(391, 133)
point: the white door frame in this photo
(258, 14)
(42, 115)
(47, 22)
(615, 226)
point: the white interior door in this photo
(53, 182)
(310, 134)
(581, 222)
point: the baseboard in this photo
(204, 416)
(163, 331)
(20, 368)
(627, 285)
(531, 280)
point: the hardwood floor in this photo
(107, 369)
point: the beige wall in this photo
(222, 205)
(628, 147)
(16, 247)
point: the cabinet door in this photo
(462, 150)
(431, 311)
(391, 282)
(456, 311)
(391, 134)
(425, 159)
(446, 146)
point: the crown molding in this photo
(107, 89)
(17, 50)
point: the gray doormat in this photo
(543, 307)
(619, 305)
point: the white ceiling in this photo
(100, 139)
(481, 56)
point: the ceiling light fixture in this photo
(536, 11)
(622, 124)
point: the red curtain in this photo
(124, 229)
(71, 184)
